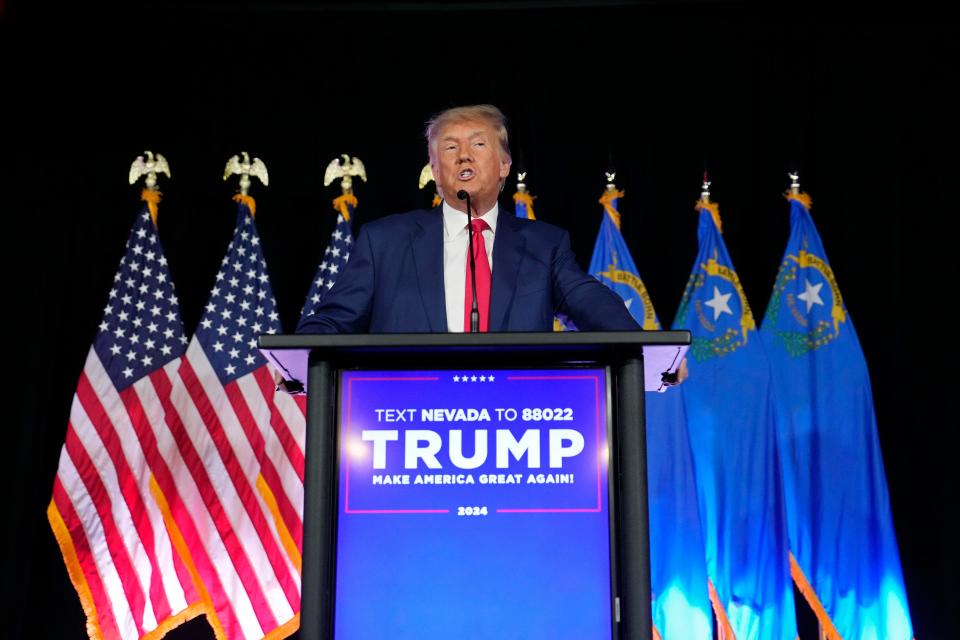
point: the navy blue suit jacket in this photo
(393, 282)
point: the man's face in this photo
(468, 156)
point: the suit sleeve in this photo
(346, 306)
(588, 302)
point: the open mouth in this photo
(465, 174)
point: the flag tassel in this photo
(152, 198)
(249, 201)
(607, 201)
(341, 204)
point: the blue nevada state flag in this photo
(678, 571)
(613, 265)
(730, 412)
(844, 551)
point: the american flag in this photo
(241, 487)
(108, 509)
(334, 258)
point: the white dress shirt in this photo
(455, 240)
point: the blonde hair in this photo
(485, 112)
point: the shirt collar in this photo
(455, 222)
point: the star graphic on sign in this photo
(456, 378)
(811, 294)
(720, 303)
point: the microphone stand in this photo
(463, 194)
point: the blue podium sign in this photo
(473, 505)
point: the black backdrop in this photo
(858, 103)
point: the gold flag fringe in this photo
(285, 630)
(249, 201)
(176, 539)
(62, 534)
(527, 201)
(340, 204)
(607, 201)
(152, 198)
(802, 198)
(724, 630)
(827, 629)
(714, 210)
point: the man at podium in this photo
(413, 272)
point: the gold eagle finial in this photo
(150, 167)
(246, 168)
(345, 170)
(426, 175)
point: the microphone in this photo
(475, 308)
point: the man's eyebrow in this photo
(474, 134)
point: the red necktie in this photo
(479, 249)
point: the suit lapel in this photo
(507, 254)
(427, 245)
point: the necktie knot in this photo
(479, 225)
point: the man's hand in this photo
(673, 379)
(287, 386)
(682, 372)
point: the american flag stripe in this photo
(288, 422)
(268, 473)
(227, 432)
(286, 539)
(162, 447)
(129, 540)
(276, 500)
(299, 405)
(248, 394)
(90, 426)
(201, 546)
(202, 551)
(146, 413)
(113, 593)
(78, 556)
(204, 605)
(288, 425)
(145, 409)
(89, 457)
(121, 441)
(225, 534)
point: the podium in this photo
(626, 363)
